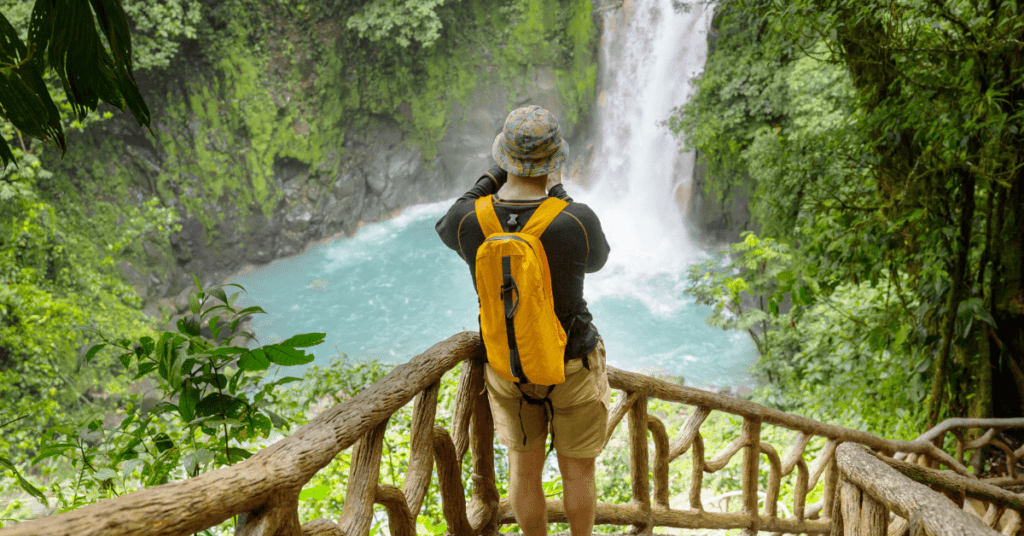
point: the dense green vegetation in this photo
(882, 143)
(56, 276)
(234, 87)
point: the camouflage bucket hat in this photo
(530, 144)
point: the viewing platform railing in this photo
(876, 499)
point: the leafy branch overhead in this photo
(63, 36)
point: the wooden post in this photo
(993, 514)
(697, 475)
(926, 510)
(484, 510)
(421, 449)
(400, 519)
(1013, 524)
(771, 500)
(470, 383)
(822, 463)
(618, 411)
(364, 473)
(751, 436)
(449, 479)
(796, 452)
(874, 517)
(690, 431)
(850, 509)
(638, 462)
(830, 495)
(280, 518)
(800, 492)
(321, 527)
(837, 528)
(660, 472)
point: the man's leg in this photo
(526, 492)
(579, 493)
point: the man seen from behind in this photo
(530, 153)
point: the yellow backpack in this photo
(525, 341)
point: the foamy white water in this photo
(649, 54)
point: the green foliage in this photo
(530, 32)
(562, 35)
(65, 37)
(578, 81)
(884, 153)
(404, 21)
(818, 336)
(159, 27)
(197, 402)
(9, 465)
(741, 93)
(54, 280)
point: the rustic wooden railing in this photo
(878, 501)
(263, 491)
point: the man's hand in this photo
(555, 177)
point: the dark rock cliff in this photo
(719, 218)
(373, 174)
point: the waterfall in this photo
(649, 53)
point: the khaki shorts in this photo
(580, 408)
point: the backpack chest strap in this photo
(536, 225)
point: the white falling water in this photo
(649, 53)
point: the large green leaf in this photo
(304, 340)
(286, 356)
(189, 325)
(214, 404)
(25, 484)
(236, 454)
(219, 293)
(315, 493)
(51, 450)
(40, 28)
(88, 71)
(254, 360)
(74, 53)
(94, 350)
(13, 50)
(24, 99)
(114, 23)
(6, 156)
(163, 442)
(187, 403)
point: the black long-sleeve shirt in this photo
(574, 244)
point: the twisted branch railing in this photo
(263, 490)
(877, 501)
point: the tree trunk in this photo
(1008, 300)
(957, 292)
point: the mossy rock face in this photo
(261, 157)
(722, 218)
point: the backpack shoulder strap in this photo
(486, 216)
(543, 216)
